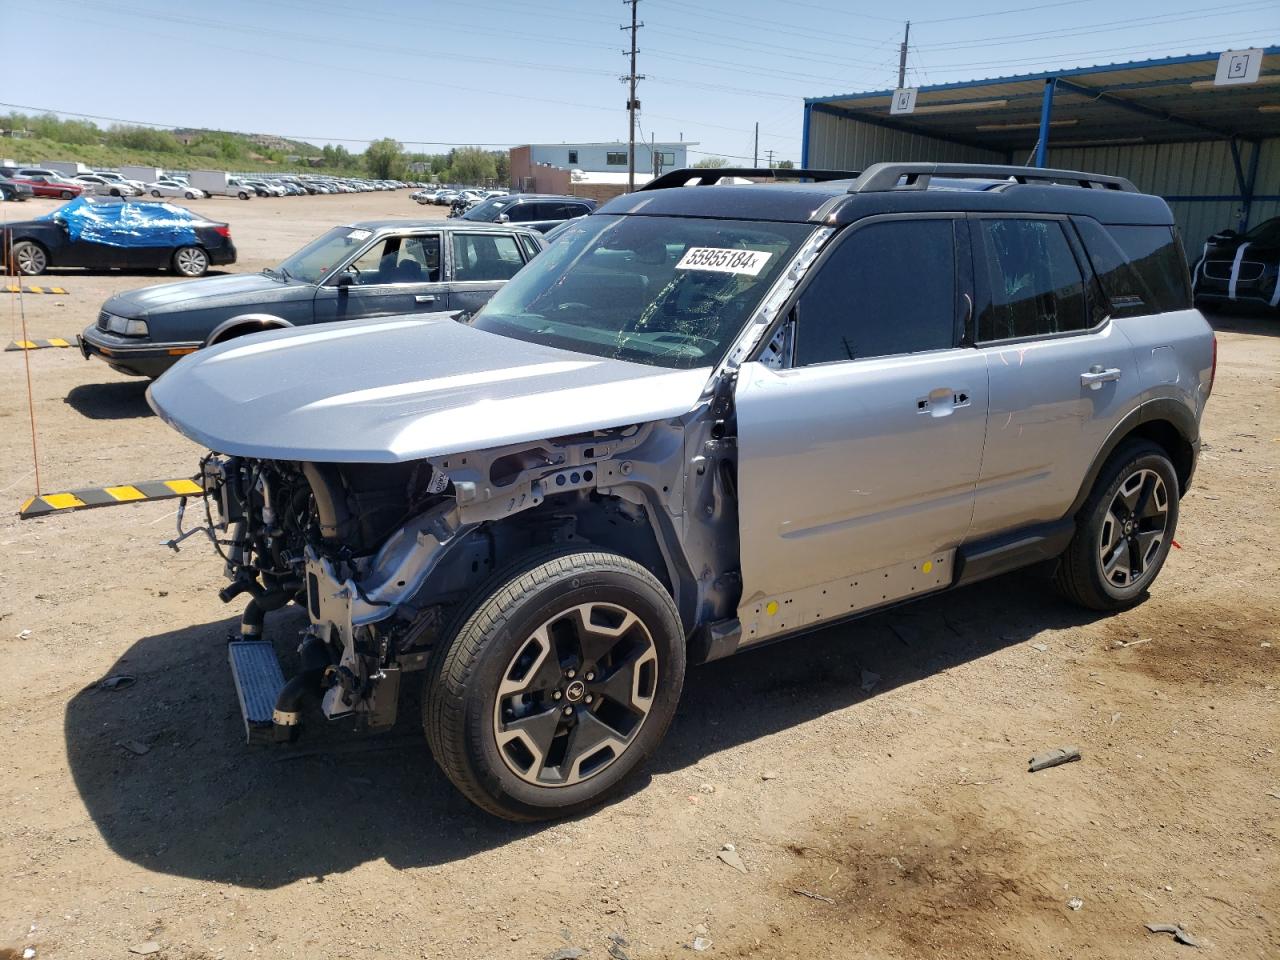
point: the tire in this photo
(189, 195)
(68, 195)
(243, 195)
(155, 193)
(1123, 531)
(496, 667)
(190, 261)
(116, 193)
(30, 258)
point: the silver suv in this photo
(707, 417)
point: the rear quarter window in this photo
(1141, 268)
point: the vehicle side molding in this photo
(1012, 551)
(257, 321)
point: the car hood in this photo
(404, 388)
(209, 291)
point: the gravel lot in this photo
(872, 777)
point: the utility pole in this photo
(632, 103)
(755, 157)
(902, 57)
(770, 153)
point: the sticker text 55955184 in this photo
(721, 260)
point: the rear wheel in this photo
(67, 195)
(190, 261)
(1124, 531)
(560, 682)
(30, 258)
(155, 193)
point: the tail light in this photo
(223, 231)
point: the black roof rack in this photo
(707, 176)
(888, 176)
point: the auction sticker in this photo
(359, 234)
(721, 260)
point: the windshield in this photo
(487, 212)
(318, 258)
(668, 291)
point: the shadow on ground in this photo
(1249, 320)
(199, 803)
(119, 400)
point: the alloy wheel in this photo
(575, 695)
(31, 259)
(191, 261)
(1134, 529)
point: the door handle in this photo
(1096, 376)
(942, 401)
(425, 298)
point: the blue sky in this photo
(503, 72)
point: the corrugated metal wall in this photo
(1170, 169)
(841, 143)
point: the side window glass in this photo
(1156, 258)
(1035, 284)
(522, 212)
(889, 288)
(419, 260)
(485, 257)
(531, 248)
(366, 269)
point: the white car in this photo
(101, 186)
(114, 177)
(172, 188)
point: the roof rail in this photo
(706, 176)
(886, 176)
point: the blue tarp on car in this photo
(125, 223)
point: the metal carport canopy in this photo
(1167, 100)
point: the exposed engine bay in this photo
(383, 556)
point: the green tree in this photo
(472, 165)
(384, 159)
(786, 165)
(712, 162)
(502, 162)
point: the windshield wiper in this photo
(285, 273)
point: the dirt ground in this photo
(885, 816)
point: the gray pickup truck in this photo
(705, 418)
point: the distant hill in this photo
(264, 141)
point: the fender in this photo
(1163, 409)
(259, 321)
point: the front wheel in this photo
(155, 193)
(1124, 531)
(189, 195)
(559, 683)
(68, 195)
(190, 261)
(243, 195)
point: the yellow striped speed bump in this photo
(106, 496)
(14, 288)
(37, 344)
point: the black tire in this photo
(243, 195)
(461, 702)
(1081, 575)
(189, 195)
(29, 258)
(155, 193)
(68, 195)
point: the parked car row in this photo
(446, 197)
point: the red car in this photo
(50, 187)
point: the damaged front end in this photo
(384, 556)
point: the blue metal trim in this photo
(1046, 75)
(1046, 115)
(804, 138)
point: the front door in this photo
(396, 275)
(481, 263)
(858, 456)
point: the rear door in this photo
(480, 264)
(396, 275)
(1062, 374)
(858, 459)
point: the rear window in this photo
(1141, 268)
